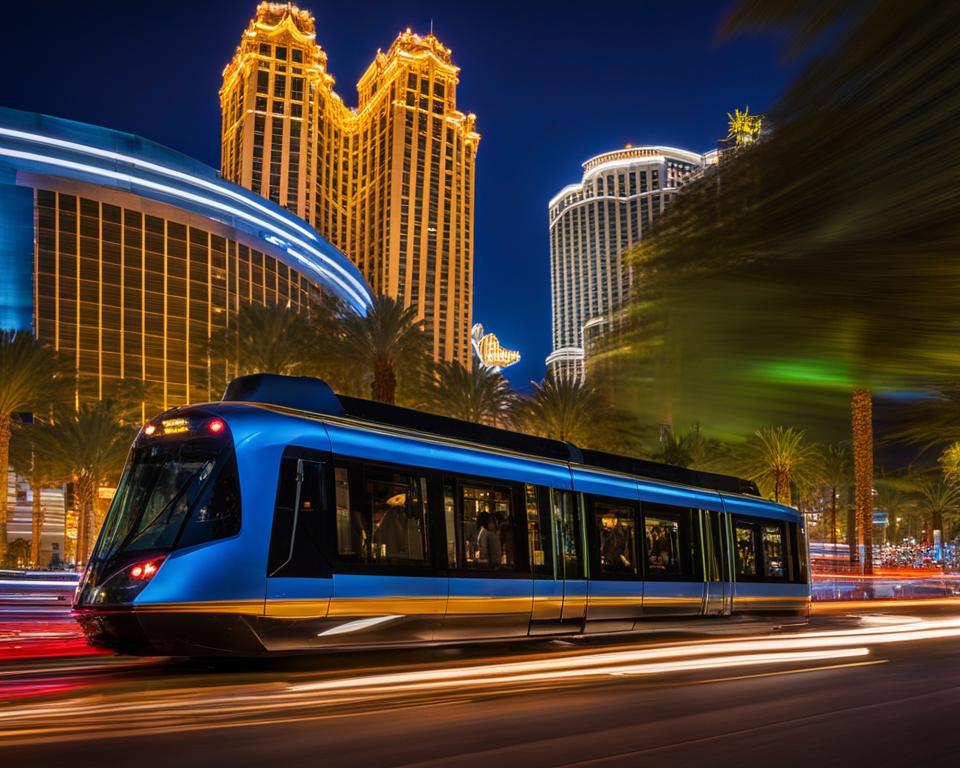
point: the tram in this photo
(286, 518)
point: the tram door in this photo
(560, 603)
(717, 563)
(570, 558)
(298, 585)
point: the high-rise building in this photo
(390, 182)
(592, 224)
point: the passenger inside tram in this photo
(663, 546)
(616, 545)
(489, 550)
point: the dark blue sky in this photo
(551, 83)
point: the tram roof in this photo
(312, 395)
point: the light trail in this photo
(80, 715)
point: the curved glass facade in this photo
(127, 256)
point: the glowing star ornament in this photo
(743, 127)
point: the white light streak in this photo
(155, 168)
(356, 626)
(350, 285)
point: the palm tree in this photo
(34, 455)
(772, 294)
(837, 474)
(778, 458)
(386, 344)
(262, 339)
(893, 496)
(93, 442)
(568, 410)
(937, 496)
(32, 378)
(480, 394)
(690, 448)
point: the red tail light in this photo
(145, 570)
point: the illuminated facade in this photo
(127, 256)
(592, 224)
(489, 351)
(390, 183)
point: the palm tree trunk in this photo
(936, 522)
(781, 488)
(38, 521)
(5, 473)
(852, 534)
(85, 523)
(383, 388)
(861, 411)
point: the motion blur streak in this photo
(854, 606)
(552, 667)
(77, 714)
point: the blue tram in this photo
(286, 518)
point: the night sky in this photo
(551, 83)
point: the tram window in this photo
(663, 548)
(349, 526)
(488, 530)
(799, 545)
(568, 534)
(296, 540)
(745, 545)
(711, 530)
(538, 534)
(450, 521)
(774, 554)
(616, 528)
(217, 514)
(396, 519)
(384, 520)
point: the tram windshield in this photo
(172, 493)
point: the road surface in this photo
(878, 687)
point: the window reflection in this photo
(773, 560)
(391, 525)
(487, 527)
(535, 538)
(746, 549)
(663, 546)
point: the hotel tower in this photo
(390, 182)
(592, 224)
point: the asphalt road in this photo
(875, 689)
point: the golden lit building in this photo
(390, 182)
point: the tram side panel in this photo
(464, 567)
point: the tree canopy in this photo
(821, 258)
